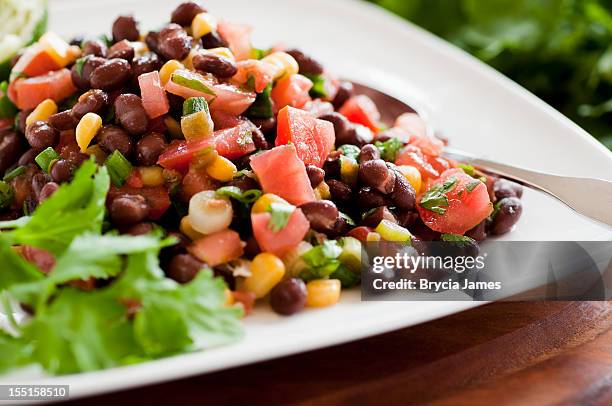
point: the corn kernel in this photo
(322, 292)
(202, 24)
(263, 203)
(97, 153)
(197, 126)
(221, 169)
(168, 69)
(229, 297)
(267, 270)
(221, 51)
(185, 227)
(322, 191)
(389, 231)
(373, 237)
(286, 63)
(412, 175)
(209, 213)
(151, 175)
(188, 61)
(42, 112)
(174, 128)
(86, 130)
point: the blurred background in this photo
(561, 50)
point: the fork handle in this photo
(587, 196)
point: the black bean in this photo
(145, 64)
(403, 195)
(39, 180)
(339, 191)
(131, 114)
(377, 175)
(10, 149)
(342, 227)
(41, 135)
(322, 214)
(62, 170)
(331, 166)
(122, 50)
(140, 229)
(128, 209)
(184, 267)
(345, 91)
(358, 135)
(259, 139)
(478, 233)
(82, 78)
(406, 218)
(111, 138)
(341, 124)
(289, 296)
(63, 121)
(368, 153)
(509, 212)
(244, 183)
(315, 175)
(375, 216)
(95, 47)
(111, 75)
(149, 148)
(368, 198)
(213, 40)
(266, 125)
(26, 159)
(152, 40)
(504, 188)
(92, 101)
(306, 63)
(125, 27)
(174, 43)
(184, 13)
(219, 66)
(47, 191)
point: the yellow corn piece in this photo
(87, 129)
(229, 297)
(197, 126)
(322, 191)
(42, 112)
(188, 61)
(97, 153)
(221, 169)
(267, 270)
(412, 175)
(202, 24)
(187, 229)
(174, 128)
(151, 175)
(57, 48)
(168, 69)
(263, 203)
(322, 292)
(389, 231)
(286, 63)
(221, 51)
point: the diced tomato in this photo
(134, 180)
(313, 139)
(218, 248)
(29, 93)
(195, 181)
(263, 73)
(291, 91)
(439, 163)
(280, 171)
(35, 61)
(157, 198)
(246, 299)
(416, 128)
(238, 36)
(412, 155)
(154, 98)
(232, 143)
(465, 209)
(362, 110)
(230, 99)
(360, 233)
(278, 243)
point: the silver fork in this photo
(577, 193)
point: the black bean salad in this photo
(188, 152)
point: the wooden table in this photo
(504, 353)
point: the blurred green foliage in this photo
(561, 50)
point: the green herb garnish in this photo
(119, 168)
(472, 185)
(78, 65)
(45, 158)
(280, 214)
(349, 150)
(389, 149)
(14, 173)
(191, 82)
(262, 106)
(7, 108)
(194, 104)
(245, 197)
(318, 86)
(434, 199)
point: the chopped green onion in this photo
(280, 214)
(468, 169)
(192, 82)
(194, 104)
(349, 150)
(6, 194)
(45, 158)
(318, 86)
(14, 173)
(246, 197)
(262, 106)
(118, 167)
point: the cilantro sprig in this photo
(435, 198)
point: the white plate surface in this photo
(478, 109)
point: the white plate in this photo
(477, 108)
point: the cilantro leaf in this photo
(472, 185)
(389, 149)
(434, 199)
(321, 260)
(15, 270)
(318, 89)
(280, 216)
(14, 352)
(262, 106)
